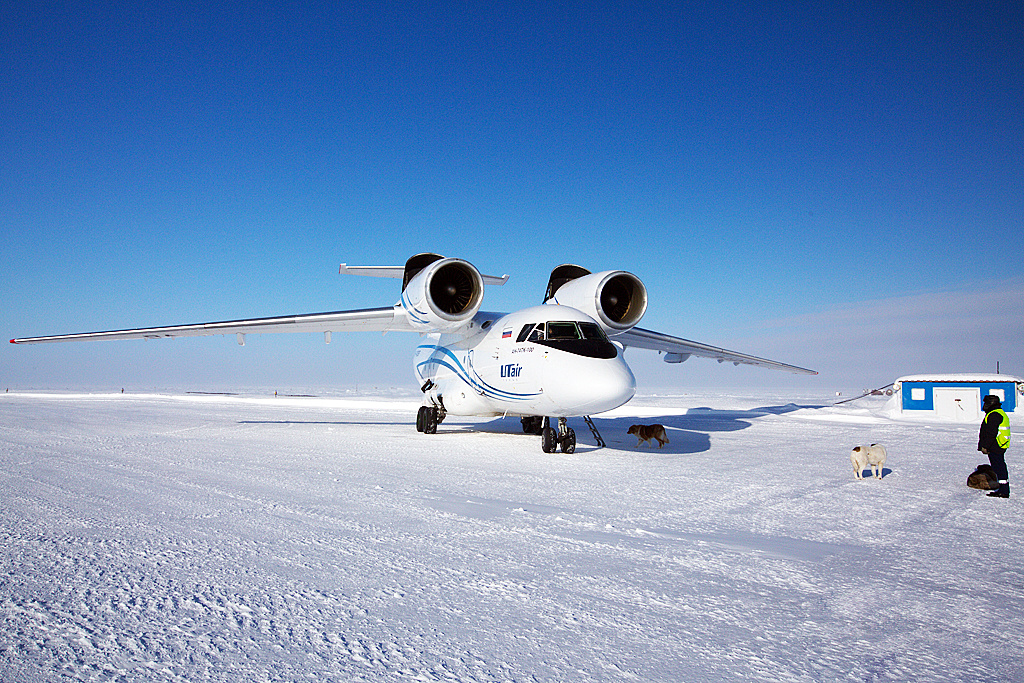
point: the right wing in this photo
(677, 350)
(363, 320)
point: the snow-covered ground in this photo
(231, 538)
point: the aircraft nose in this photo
(602, 385)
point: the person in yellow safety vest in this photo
(993, 440)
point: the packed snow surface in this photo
(230, 538)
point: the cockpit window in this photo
(592, 331)
(562, 330)
(531, 332)
(580, 338)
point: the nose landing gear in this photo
(565, 437)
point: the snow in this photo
(223, 538)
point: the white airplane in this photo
(558, 360)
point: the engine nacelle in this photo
(443, 295)
(614, 298)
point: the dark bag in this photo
(984, 478)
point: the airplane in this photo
(560, 359)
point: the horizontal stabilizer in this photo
(397, 272)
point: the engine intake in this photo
(615, 298)
(443, 294)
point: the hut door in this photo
(958, 404)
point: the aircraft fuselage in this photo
(546, 360)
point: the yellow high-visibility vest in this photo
(1003, 433)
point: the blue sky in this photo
(835, 185)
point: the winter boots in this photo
(1002, 492)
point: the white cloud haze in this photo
(960, 331)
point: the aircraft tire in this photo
(548, 440)
(421, 419)
(569, 442)
(430, 426)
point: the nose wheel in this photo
(565, 437)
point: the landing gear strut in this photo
(565, 437)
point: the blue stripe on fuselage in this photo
(473, 380)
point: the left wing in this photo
(677, 350)
(363, 320)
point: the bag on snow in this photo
(984, 478)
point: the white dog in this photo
(862, 456)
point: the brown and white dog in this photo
(644, 434)
(862, 456)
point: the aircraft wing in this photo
(677, 350)
(363, 320)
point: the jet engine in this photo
(442, 294)
(615, 298)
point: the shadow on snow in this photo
(867, 473)
(689, 432)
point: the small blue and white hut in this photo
(955, 398)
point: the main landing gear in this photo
(550, 439)
(428, 418)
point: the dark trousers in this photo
(996, 456)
